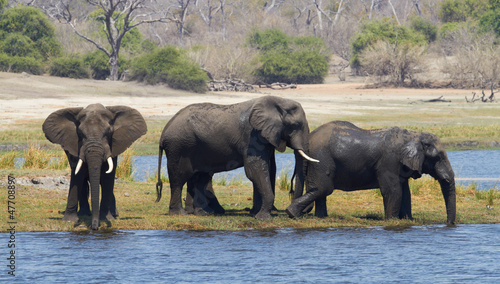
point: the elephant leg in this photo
(392, 196)
(318, 188)
(78, 187)
(213, 202)
(83, 199)
(257, 171)
(320, 207)
(177, 180)
(257, 198)
(107, 210)
(188, 203)
(199, 182)
(405, 210)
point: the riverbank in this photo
(40, 209)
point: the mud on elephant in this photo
(356, 159)
(92, 138)
(203, 139)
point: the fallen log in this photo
(440, 99)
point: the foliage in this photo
(71, 67)
(18, 64)
(26, 31)
(169, 65)
(425, 27)
(453, 11)
(386, 30)
(289, 59)
(98, 62)
(397, 61)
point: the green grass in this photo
(39, 209)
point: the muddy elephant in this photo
(203, 139)
(92, 138)
(356, 159)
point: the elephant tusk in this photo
(78, 166)
(110, 164)
(307, 157)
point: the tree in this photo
(118, 16)
(27, 32)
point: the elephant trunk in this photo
(446, 178)
(94, 165)
(449, 194)
(95, 155)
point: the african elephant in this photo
(356, 159)
(92, 138)
(203, 139)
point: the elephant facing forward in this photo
(356, 159)
(203, 139)
(92, 138)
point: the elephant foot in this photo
(321, 214)
(107, 217)
(293, 212)
(95, 224)
(202, 212)
(181, 212)
(70, 217)
(263, 215)
(189, 209)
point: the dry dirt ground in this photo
(26, 99)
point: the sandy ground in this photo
(27, 98)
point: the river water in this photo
(479, 167)
(423, 254)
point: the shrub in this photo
(71, 67)
(289, 59)
(18, 64)
(397, 61)
(20, 23)
(425, 27)
(169, 65)
(386, 30)
(305, 67)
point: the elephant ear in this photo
(412, 155)
(60, 128)
(128, 126)
(266, 117)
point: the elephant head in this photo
(282, 123)
(95, 134)
(423, 153)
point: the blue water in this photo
(424, 254)
(479, 167)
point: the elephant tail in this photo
(159, 184)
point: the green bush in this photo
(71, 67)
(289, 59)
(21, 23)
(425, 27)
(169, 65)
(385, 29)
(98, 62)
(305, 67)
(18, 64)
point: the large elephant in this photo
(203, 139)
(355, 159)
(92, 138)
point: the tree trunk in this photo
(113, 67)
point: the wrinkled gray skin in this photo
(203, 139)
(93, 134)
(356, 159)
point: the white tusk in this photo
(78, 166)
(307, 157)
(110, 164)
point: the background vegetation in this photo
(256, 40)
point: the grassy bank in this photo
(39, 209)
